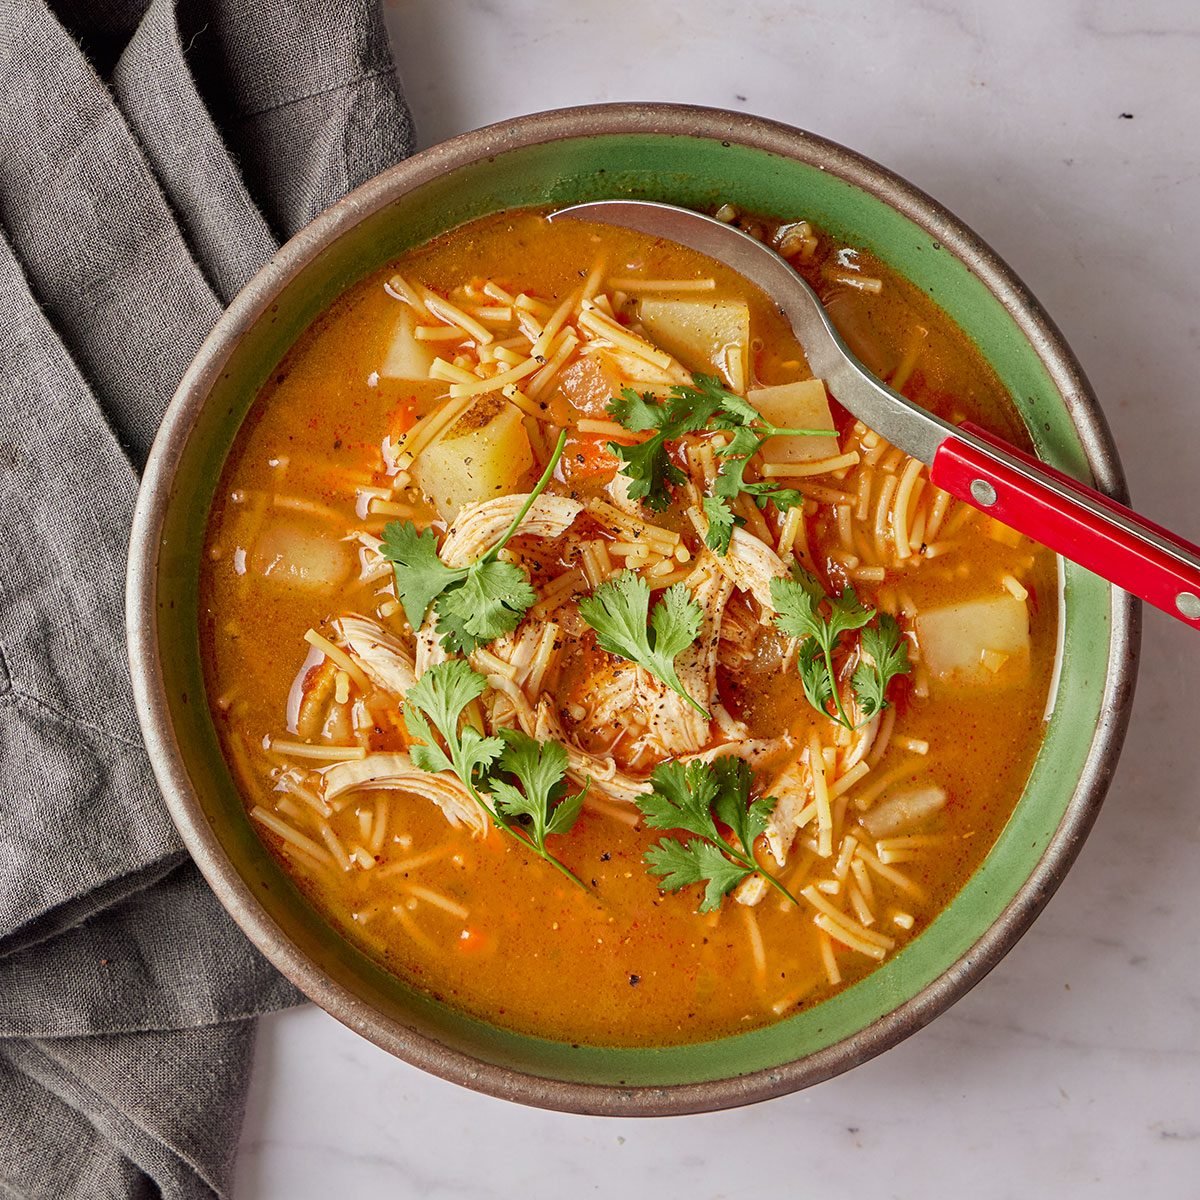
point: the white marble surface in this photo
(1074, 1069)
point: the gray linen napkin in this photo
(152, 155)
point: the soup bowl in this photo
(700, 158)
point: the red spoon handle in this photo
(1078, 522)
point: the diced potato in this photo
(705, 335)
(802, 405)
(405, 357)
(904, 812)
(295, 554)
(484, 454)
(955, 640)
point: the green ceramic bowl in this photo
(686, 156)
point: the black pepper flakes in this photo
(634, 980)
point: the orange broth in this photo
(480, 922)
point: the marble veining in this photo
(1066, 135)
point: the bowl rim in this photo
(166, 756)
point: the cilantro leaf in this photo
(733, 807)
(706, 404)
(421, 576)
(847, 614)
(721, 523)
(475, 604)
(434, 707)
(490, 603)
(647, 464)
(693, 798)
(690, 409)
(680, 864)
(438, 698)
(638, 413)
(800, 606)
(618, 611)
(785, 498)
(748, 431)
(814, 675)
(735, 406)
(650, 471)
(540, 768)
(682, 797)
(797, 604)
(884, 645)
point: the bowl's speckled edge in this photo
(204, 843)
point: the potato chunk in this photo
(292, 552)
(484, 454)
(405, 357)
(979, 641)
(905, 812)
(802, 405)
(705, 335)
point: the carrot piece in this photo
(587, 457)
(475, 941)
(403, 419)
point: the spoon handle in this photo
(1077, 521)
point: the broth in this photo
(875, 828)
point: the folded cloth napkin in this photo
(153, 154)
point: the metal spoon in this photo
(970, 463)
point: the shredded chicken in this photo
(477, 529)
(600, 769)
(618, 492)
(794, 791)
(756, 751)
(751, 891)
(429, 647)
(385, 660)
(372, 564)
(396, 771)
(615, 698)
(749, 563)
(862, 743)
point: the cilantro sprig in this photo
(750, 430)
(885, 655)
(439, 697)
(619, 609)
(434, 707)
(704, 405)
(693, 798)
(804, 611)
(648, 464)
(474, 604)
(541, 803)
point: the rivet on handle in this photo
(983, 492)
(1188, 604)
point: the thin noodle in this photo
(290, 834)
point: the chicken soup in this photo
(586, 664)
